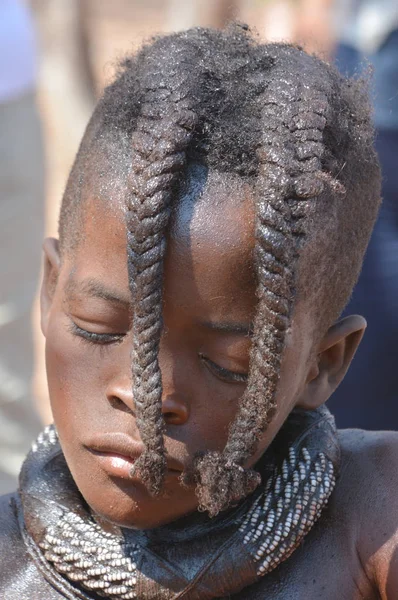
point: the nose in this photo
(174, 409)
(120, 395)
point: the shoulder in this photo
(19, 576)
(370, 457)
(369, 470)
(12, 550)
(369, 484)
(9, 529)
(368, 450)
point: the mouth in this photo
(117, 454)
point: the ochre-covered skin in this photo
(352, 553)
(348, 553)
(275, 197)
(197, 557)
(300, 135)
(90, 386)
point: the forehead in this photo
(210, 241)
(216, 209)
(209, 272)
(212, 232)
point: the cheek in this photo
(294, 367)
(218, 415)
(76, 377)
(212, 407)
(291, 384)
(79, 376)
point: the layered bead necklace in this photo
(196, 557)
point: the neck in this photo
(193, 557)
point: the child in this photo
(211, 233)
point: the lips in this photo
(117, 453)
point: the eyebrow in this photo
(96, 289)
(229, 327)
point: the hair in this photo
(301, 134)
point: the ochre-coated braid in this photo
(163, 132)
(286, 123)
(289, 180)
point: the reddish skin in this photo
(209, 278)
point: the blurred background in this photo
(55, 58)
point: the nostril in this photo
(174, 411)
(118, 403)
(172, 418)
(119, 394)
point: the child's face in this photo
(209, 305)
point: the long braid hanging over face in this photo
(171, 88)
(289, 180)
(164, 129)
(288, 124)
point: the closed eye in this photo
(104, 339)
(95, 338)
(222, 373)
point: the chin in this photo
(125, 501)
(129, 504)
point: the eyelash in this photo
(223, 374)
(106, 339)
(102, 339)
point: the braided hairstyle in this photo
(163, 131)
(301, 135)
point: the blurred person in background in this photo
(21, 231)
(368, 31)
(183, 13)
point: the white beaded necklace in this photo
(254, 540)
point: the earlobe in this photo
(52, 263)
(334, 356)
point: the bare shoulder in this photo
(8, 520)
(369, 488)
(368, 450)
(11, 545)
(369, 463)
(369, 469)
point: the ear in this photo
(332, 360)
(52, 264)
